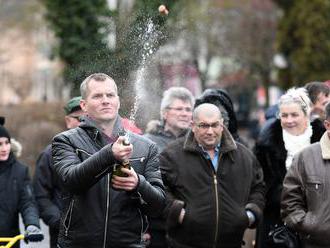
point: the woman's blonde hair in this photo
(299, 96)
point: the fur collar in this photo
(272, 135)
(325, 146)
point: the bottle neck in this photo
(126, 162)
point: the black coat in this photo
(271, 153)
(16, 197)
(95, 215)
(215, 201)
(48, 194)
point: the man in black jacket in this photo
(100, 209)
(45, 184)
(214, 185)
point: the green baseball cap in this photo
(72, 105)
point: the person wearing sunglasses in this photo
(214, 185)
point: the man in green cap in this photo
(46, 186)
(73, 112)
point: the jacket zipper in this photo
(217, 209)
(107, 212)
(215, 180)
(142, 224)
(68, 218)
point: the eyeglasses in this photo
(206, 126)
(180, 109)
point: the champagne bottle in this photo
(125, 164)
(117, 169)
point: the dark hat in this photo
(220, 98)
(3, 130)
(72, 105)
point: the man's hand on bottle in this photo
(125, 183)
(120, 151)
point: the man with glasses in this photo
(46, 186)
(176, 113)
(214, 186)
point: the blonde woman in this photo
(289, 134)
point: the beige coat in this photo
(305, 204)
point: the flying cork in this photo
(163, 10)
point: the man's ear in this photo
(83, 104)
(193, 126)
(164, 115)
(67, 120)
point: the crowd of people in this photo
(190, 181)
